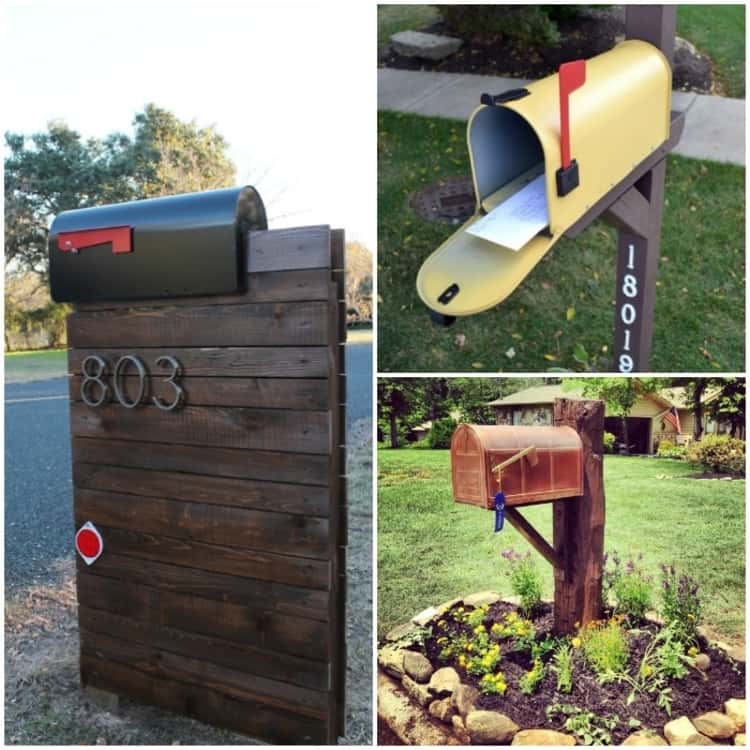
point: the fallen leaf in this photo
(516, 336)
(477, 365)
(510, 353)
(571, 313)
(460, 340)
(550, 357)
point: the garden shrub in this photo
(719, 453)
(627, 588)
(525, 581)
(681, 607)
(442, 432)
(668, 449)
(605, 647)
(609, 442)
(531, 680)
(562, 666)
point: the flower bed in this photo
(470, 659)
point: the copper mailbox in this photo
(529, 464)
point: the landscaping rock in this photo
(409, 722)
(464, 698)
(418, 693)
(481, 598)
(682, 732)
(703, 662)
(716, 725)
(645, 737)
(403, 632)
(737, 653)
(441, 609)
(417, 666)
(736, 710)
(459, 729)
(442, 709)
(490, 728)
(543, 737)
(425, 46)
(443, 682)
(739, 739)
(391, 661)
(424, 616)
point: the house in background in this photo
(646, 423)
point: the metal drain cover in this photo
(450, 201)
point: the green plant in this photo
(681, 605)
(530, 681)
(493, 684)
(525, 581)
(562, 666)
(441, 433)
(719, 453)
(627, 588)
(605, 647)
(588, 727)
(668, 449)
(609, 442)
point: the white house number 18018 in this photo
(627, 312)
(95, 390)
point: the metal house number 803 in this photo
(95, 368)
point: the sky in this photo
(291, 87)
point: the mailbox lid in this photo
(175, 246)
(477, 449)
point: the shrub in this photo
(605, 647)
(442, 432)
(525, 581)
(609, 442)
(627, 587)
(531, 680)
(681, 607)
(526, 24)
(668, 449)
(493, 684)
(562, 666)
(719, 453)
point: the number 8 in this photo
(94, 377)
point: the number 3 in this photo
(179, 393)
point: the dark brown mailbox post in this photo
(561, 464)
(208, 418)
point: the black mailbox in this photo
(177, 246)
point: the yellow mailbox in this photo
(617, 117)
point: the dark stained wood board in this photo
(220, 592)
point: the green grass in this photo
(393, 18)
(23, 367)
(431, 550)
(699, 320)
(719, 32)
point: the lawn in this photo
(23, 367)
(567, 301)
(719, 32)
(393, 18)
(431, 550)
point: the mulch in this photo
(593, 32)
(692, 695)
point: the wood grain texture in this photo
(240, 493)
(299, 636)
(229, 362)
(289, 249)
(236, 561)
(277, 324)
(267, 393)
(298, 468)
(214, 524)
(252, 718)
(259, 429)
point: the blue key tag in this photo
(499, 511)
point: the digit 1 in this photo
(631, 256)
(626, 345)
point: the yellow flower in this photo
(647, 670)
(576, 643)
(691, 616)
(692, 651)
(469, 646)
(442, 623)
(479, 629)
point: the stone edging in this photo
(423, 706)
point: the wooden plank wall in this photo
(221, 589)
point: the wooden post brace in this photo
(534, 538)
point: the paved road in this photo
(38, 494)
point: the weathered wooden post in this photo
(503, 468)
(208, 427)
(578, 527)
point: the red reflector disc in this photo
(88, 543)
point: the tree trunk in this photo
(700, 387)
(394, 430)
(625, 436)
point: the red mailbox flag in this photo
(572, 76)
(89, 543)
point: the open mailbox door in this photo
(617, 118)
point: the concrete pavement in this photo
(714, 125)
